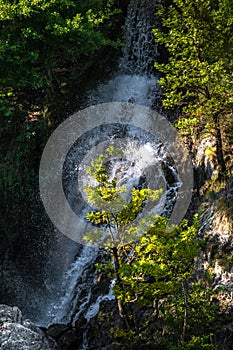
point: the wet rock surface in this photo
(65, 336)
(97, 333)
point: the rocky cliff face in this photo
(216, 258)
(19, 334)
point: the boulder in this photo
(19, 334)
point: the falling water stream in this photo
(135, 82)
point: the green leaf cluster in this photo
(198, 38)
(45, 49)
(159, 291)
(160, 302)
(36, 36)
(197, 77)
(117, 215)
(163, 257)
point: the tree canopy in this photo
(152, 267)
(197, 76)
(46, 47)
(38, 37)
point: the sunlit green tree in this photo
(118, 232)
(159, 300)
(159, 279)
(197, 78)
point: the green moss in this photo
(225, 206)
(210, 152)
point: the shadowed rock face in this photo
(123, 4)
(19, 334)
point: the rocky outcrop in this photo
(216, 259)
(204, 162)
(19, 334)
(217, 230)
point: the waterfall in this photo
(74, 280)
(134, 81)
(140, 50)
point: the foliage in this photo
(198, 75)
(163, 257)
(117, 232)
(159, 279)
(36, 36)
(117, 215)
(159, 301)
(44, 47)
(196, 343)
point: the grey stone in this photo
(17, 334)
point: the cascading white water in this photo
(62, 311)
(94, 308)
(133, 82)
(140, 50)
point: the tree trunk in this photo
(219, 150)
(185, 323)
(156, 307)
(121, 307)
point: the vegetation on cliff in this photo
(197, 77)
(46, 50)
(160, 301)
